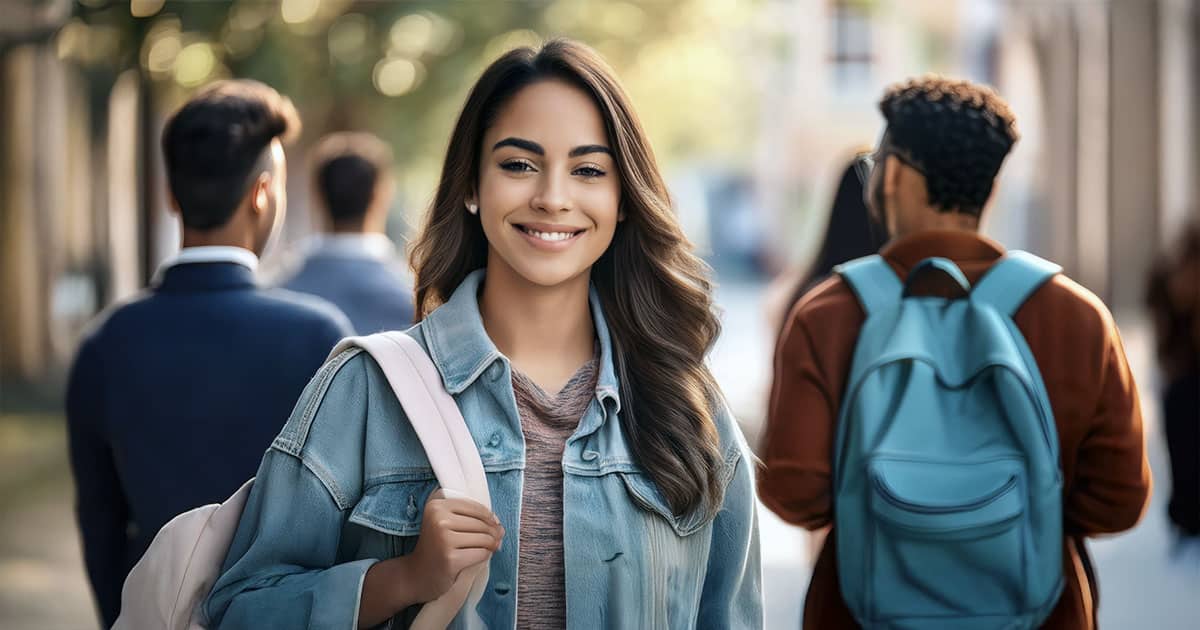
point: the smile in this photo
(554, 237)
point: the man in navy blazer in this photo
(175, 395)
(353, 264)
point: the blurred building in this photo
(833, 59)
(1116, 149)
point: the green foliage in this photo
(681, 61)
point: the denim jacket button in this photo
(590, 456)
(502, 588)
(495, 439)
(411, 511)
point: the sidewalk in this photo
(42, 581)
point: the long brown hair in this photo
(655, 292)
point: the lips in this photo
(549, 232)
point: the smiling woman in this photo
(547, 184)
(566, 313)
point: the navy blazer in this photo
(173, 399)
(370, 291)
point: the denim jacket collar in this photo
(460, 347)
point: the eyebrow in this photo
(533, 147)
(589, 148)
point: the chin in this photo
(540, 276)
(548, 280)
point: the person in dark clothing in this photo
(174, 396)
(1174, 301)
(850, 233)
(352, 263)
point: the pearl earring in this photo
(472, 208)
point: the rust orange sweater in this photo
(1077, 348)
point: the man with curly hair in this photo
(929, 182)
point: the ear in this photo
(173, 202)
(260, 198)
(471, 202)
(891, 176)
(620, 213)
(386, 190)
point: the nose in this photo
(552, 194)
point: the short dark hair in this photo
(214, 147)
(347, 167)
(957, 133)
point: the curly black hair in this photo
(957, 133)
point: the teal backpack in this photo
(947, 490)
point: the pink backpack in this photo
(167, 586)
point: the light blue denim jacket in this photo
(345, 483)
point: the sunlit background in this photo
(753, 107)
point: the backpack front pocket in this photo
(947, 540)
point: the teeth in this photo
(550, 236)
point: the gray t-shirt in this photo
(547, 421)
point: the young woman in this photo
(569, 319)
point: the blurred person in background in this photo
(1174, 300)
(353, 263)
(561, 302)
(930, 180)
(174, 395)
(850, 232)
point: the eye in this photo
(517, 166)
(589, 171)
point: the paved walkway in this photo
(1147, 581)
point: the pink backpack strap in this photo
(448, 444)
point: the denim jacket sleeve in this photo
(732, 595)
(281, 569)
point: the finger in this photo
(473, 541)
(468, 524)
(467, 507)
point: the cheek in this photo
(497, 191)
(603, 204)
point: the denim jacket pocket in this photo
(394, 507)
(645, 495)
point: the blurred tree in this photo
(401, 69)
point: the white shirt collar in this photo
(371, 245)
(208, 254)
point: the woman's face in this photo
(549, 192)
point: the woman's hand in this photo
(456, 534)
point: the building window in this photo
(851, 54)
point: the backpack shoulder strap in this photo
(434, 415)
(873, 282)
(1013, 280)
(451, 451)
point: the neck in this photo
(373, 222)
(547, 332)
(932, 219)
(341, 230)
(218, 237)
